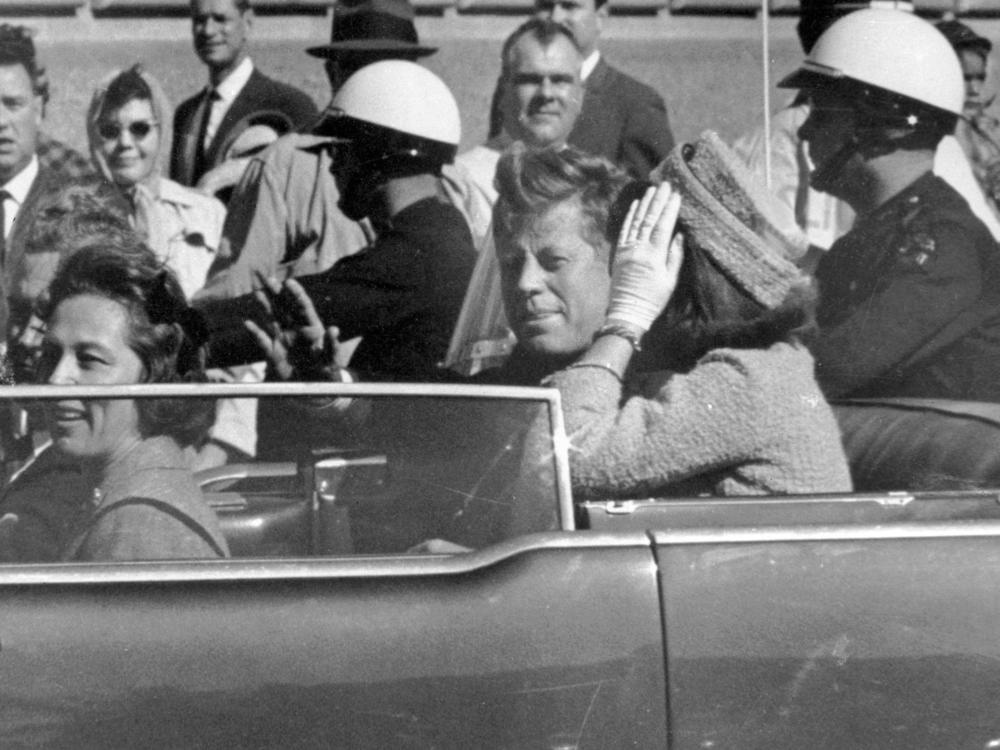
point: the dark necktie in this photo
(4, 195)
(211, 96)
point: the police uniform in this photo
(910, 302)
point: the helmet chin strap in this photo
(824, 176)
(869, 143)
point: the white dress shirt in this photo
(588, 65)
(17, 189)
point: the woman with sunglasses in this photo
(128, 128)
(128, 124)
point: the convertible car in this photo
(409, 570)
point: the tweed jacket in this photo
(740, 422)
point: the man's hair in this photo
(544, 30)
(241, 5)
(531, 181)
(18, 48)
(163, 330)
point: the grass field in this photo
(707, 83)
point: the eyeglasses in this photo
(110, 131)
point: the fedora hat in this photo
(368, 26)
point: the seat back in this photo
(921, 444)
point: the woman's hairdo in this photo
(166, 334)
(531, 181)
(125, 87)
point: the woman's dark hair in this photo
(125, 87)
(708, 311)
(164, 332)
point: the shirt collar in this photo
(19, 185)
(589, 64)
(232, 84)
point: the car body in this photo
(864, 620)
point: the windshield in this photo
(169, 472)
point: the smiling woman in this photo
(127, 124)
(116, 316)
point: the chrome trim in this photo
(894, 498)
(831, 533)
(290, 390)
(560, 449)
(348, 567)
(230, 472)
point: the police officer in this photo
(396, 124)
(909, 298)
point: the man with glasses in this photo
(237, 93)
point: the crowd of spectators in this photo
(694, 317)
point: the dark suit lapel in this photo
(599, 78)
(245, 102)
(22, 222)
(190, 131)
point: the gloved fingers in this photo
(665, 208)
(626, 230)
(675, 257)
(637, 215)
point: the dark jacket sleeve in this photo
(647, 138)
(916, 296)
(181, 129)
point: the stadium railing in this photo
(87, 8)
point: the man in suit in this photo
(23, 179)
(622, 119)
(236, 94)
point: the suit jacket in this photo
(260, 95)
(25, 278)
(623, 120)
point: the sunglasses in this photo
(110, 131)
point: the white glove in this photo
(647, 259)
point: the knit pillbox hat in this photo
(732, 218)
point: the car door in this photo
(546, 637)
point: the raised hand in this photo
(647, 259)
(296, 344)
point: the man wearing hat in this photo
(823, 217)
(236, 91)
(910, 298)
(283, 217)
(978, 131)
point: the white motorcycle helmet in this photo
(397, 119)
(901, 71)
(399, 101)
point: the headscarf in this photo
(145, 194)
